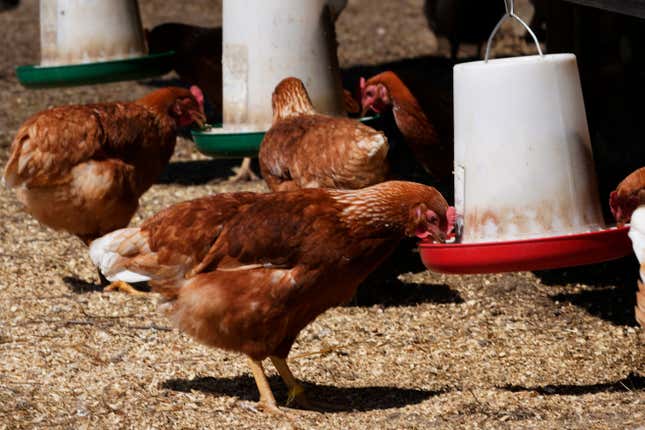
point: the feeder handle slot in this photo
(510, 13)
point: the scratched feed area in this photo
(556, 349)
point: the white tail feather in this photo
(107, 253)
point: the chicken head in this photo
(189, 109)
(375, 97)
(426, 223)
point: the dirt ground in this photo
(552, 349)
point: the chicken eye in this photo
(370, 93)
(433, 220)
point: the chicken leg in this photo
(124, 287)
(244, 172)
(267, 401)
(296, 390)
(120, 286)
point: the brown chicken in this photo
(247, 272)
(385, 92)
(304, 149)
(627, 196)
(624, 203)
(82, 168)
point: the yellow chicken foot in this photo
(123, 287)
(267, 401)
(296, 390)
(244, 172)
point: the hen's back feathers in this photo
(51, 143)
(303, 149)
(82, 168)
(320, 151)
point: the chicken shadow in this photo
(613, 294)
(79, 286)
(631, 382)
(199, 172)
(383, 287)
(395, 293)
(341, 399)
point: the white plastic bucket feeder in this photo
(525, 184)
(85, 31)
(85, 42)
(265, 41)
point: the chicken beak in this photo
(438, 236)
(198, 118)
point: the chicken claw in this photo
(296, 393)
(124, 287)
(244, 172)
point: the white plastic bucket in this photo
(265, 41)
(83, 31)
(523, 161)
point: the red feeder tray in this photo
(531, 254)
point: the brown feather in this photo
(419, 133)
(628, 195)
(303, 149)
(82, 168)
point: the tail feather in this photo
(10, 177)
(112, 252)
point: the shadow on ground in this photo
(613, 293)
(613, 304)
(200, 172)
(397, 293)
(632, 382)
(382, 287)
(341, 399)
(79, 286)
(623, 271)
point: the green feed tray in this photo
(238, 144)
(227, 145)
(95, 73)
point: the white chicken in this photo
(637, 235)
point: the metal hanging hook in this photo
(510, 13)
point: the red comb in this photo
(198, 94)
(451, 217)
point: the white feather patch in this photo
(637, 233)
(372, 144)
(128, 276)
(103, 253)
